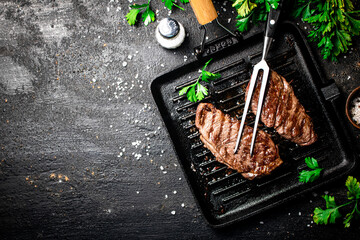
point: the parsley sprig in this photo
(334, 23)
(253, 11)
(148, 15)
(310, 176)
(197, 92)
(331, 213)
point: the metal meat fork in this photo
(262, 65)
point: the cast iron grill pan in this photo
(223, 195)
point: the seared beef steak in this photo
(283, 111)
(218, 132)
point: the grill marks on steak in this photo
(218, 132)
(283, 111)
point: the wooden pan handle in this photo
(204, 10)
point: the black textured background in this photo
(83, 152)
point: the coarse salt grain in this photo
(173, 212)
(355, 110)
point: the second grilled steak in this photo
(283, 111)
(218, 132)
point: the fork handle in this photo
(204, 10)
(272, 21)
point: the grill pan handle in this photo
(204, 10)
(272, 21)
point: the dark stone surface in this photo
(83, 152)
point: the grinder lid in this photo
(169, 27)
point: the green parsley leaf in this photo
(197, 92)
(328, 215)
(184, 90)
(243, 23)
(132, 15)
(191, 94)
(310, 176)
(168, 3)
(201, 92)
(208, 76)
(354, 188)
(331, 213)
(148, 16)
(184, 1)
(244, 7)
(323, 216)
(348, 219)
(311, 162)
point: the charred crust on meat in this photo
(291, 120)
(218, 132)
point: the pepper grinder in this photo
(170, 33)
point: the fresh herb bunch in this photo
(310, 176)
(331, 213)
(148, 15)
(334, 23)
(197, 92)
(253, 11)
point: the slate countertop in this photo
(83, 151)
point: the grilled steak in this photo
(283, 111)
(218, 132)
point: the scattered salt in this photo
(183, 205)
(355, 110)
(175, 192)
(124, 64)
(173, 212)
(136, 143)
